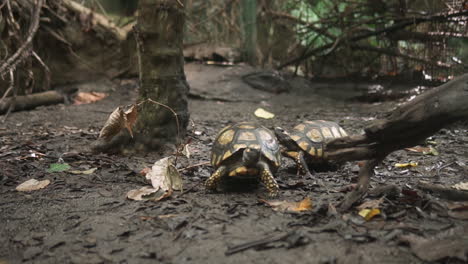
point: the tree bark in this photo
(404, 127)
(249, 30)
(159, 34)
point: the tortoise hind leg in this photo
(266, 176)
(213, 181)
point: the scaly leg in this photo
(266, 176)
(302, 167)
(213, 181)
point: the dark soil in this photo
(87, 218)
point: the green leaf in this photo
(58, 167)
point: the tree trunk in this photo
(249, 30)
(159, 39)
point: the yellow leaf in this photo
(304, 205)
(368, 214)
(262, 113)
(405, 165)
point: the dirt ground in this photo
(81, 218)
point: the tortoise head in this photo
(284, 138)
(251, 156)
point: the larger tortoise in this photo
(305, 144)
(245, 149)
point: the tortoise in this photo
(305, 144)
(245, 149)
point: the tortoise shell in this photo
(240, 136)
(311, 135)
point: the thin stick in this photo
(194, 166)
(173, 112)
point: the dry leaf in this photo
(262, 113)
(186, 151)
(32, 185)
(405, 165)
(462, 186)
(458, 210)
(418, 149)
(143, 193)
(85, 172)
(130, 117)
(145, 171)
(113, 125)
(285, 206)
(368, 214)
(87, 98)
(164, 175)
(370, 204)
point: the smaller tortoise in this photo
(305, 144)
(245, 149)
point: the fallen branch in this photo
(31, 101)
(98, 19)
(441, 191)
(404, 127)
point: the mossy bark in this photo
(162, 79)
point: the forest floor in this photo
(86, 218)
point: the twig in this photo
(389, 29)
(194, 166)
(255, 243)
(11, 62)
(173, 112)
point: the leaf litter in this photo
(32, 185)
(164, 176)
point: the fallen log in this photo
(404, 127)
(31, 101)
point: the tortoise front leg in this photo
(266, 177)
(213, 181)
(302, 167)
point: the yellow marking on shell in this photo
(232, 173)
(319, 152)
(292, 154)
(304, 145)
(241, 170)
(246, 126)
(315, 135)
(226, 137)
(311, 122)
(326, 132)
(213, 159)
(265, 135)
(343, 133)
(239, 146)
(335, 132)
(300, 127)
(252, 171)
(295, 137)
(247, 136)
(312, 152)
(227, 154)
(254, 146)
